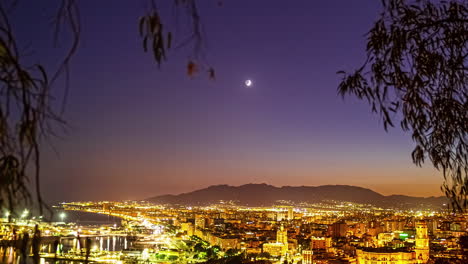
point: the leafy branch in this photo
(416, 72)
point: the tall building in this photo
(199, 222)
(338, 229)
(392, 226)
(290, 213)
(282, 235)
(422, 243)
(307, 257)
(280, 247)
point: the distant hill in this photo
(265, 195)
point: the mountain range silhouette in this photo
(267, 195)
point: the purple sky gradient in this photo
(136, 131)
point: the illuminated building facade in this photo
(422, 243)
(281, 246)
(290, 213)
(199, 222)
(399, 256)
(282, 236)
(274, 249)
(380, 256)
(188, 228)
(307, 256)
(320, 242)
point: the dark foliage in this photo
(157, 39)
(26, 115)
(416, 73)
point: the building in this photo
(384, 238)
(422, 243)
(280, 247)
(199, 222)
(280, 216)
(282, 235)
(274, 249)
(307, 256)
(384, 255)
(320, 242)
(188, 228)
(228, 242)
(290, 213)
(338, 229)
(392, 226)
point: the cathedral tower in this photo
(282, 235)
(422, 243)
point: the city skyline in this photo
(227, 132)
(136, 131)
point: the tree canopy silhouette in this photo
(27, 115)
(416, 73)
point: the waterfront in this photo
(85, 218)
(74, 243)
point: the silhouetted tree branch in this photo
(26, 114)
(416, 72)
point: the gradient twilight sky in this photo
(136, 131)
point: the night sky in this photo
(136, 131)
